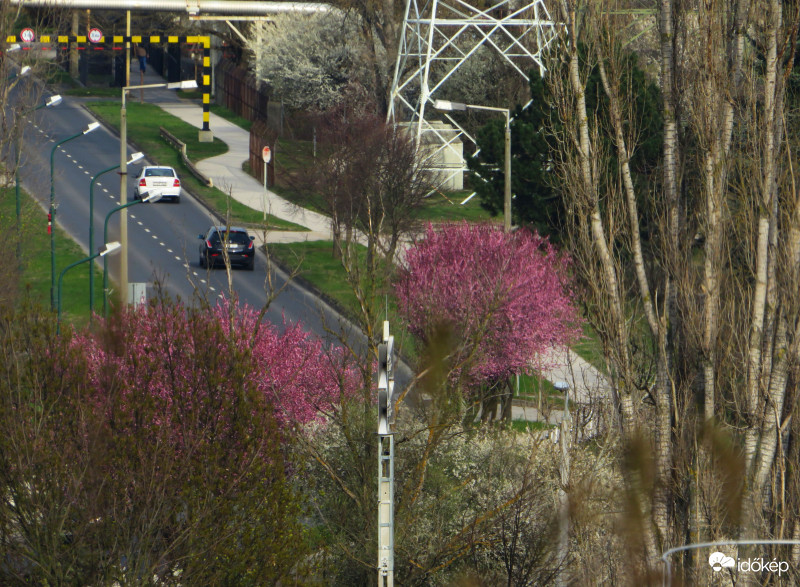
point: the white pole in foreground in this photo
(266, 155)
(385, 461)
(563, 496)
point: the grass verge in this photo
(35, 274)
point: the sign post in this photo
(266, 155)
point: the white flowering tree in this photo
(309, 60)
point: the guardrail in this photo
(181, 146)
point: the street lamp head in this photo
(53, 101)
(92, 126)
(111, 247)
(153, 196)
(135, 158)
(448, 105)
(561, 385)
(188, 84)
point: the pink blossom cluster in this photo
(185, 370)
(506, 296)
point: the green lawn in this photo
(36, 259)
(448, 207)
(144, 121)
(317, 265)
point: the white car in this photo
(156, 177)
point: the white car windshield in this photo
(160, 172)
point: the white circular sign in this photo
(95, 35)
(27, 35)
(266, 154)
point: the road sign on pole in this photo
(266, 154)
(95, 35)
(27, 35)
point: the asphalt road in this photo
(163, 237)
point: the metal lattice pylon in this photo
(438, 37)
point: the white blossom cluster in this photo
(308, 60)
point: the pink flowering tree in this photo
(502, 299)
(191, 412)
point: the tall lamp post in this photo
(134, 158)
(446, 105)
(51, 220)
(104, 250)
(123, 173)
(153, 196)
(51, 101)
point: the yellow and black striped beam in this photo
(117, 43)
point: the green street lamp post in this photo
(134, 159)
(153, 196)
(105, 250)
(51, 220)
(51, 101)
(123, 171)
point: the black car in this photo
(240, 247)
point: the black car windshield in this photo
(236, 237)
(158, 172)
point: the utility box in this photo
(440, 142)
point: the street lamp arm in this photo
(91, 235)
(61, 282)
(105, 260)
(52, 219)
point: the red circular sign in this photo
(266, 155)
(27, 35)
(95, 35)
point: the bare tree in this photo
(699, 318)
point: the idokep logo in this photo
(719, 561)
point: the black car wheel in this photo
(202, 260)
(251, 265)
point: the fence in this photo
(239, 91)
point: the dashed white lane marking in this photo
(139, 222)
(133, 217)
(169, 250)
(155, 237)
(203, 281)
(79, 166)
(146, 229)
(105, 190)
(162, 244)
(177, 258)
(194, 273)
